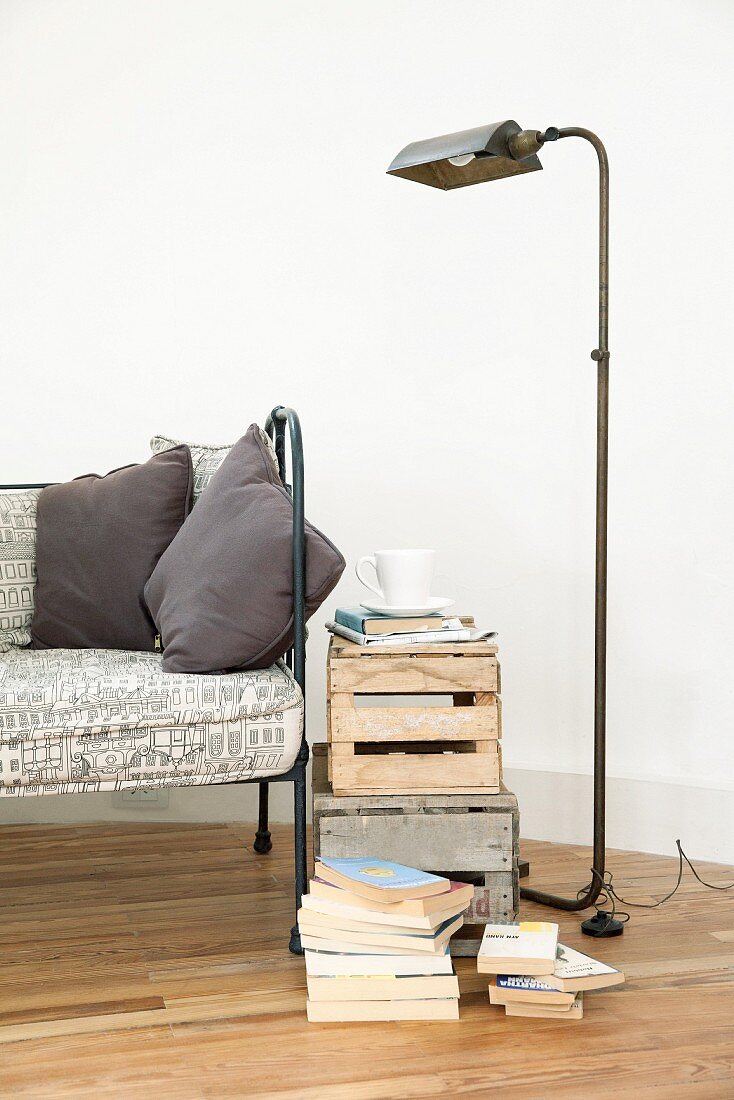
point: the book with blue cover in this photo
(508, 988)
(366, 622)
(324, 937)
(380, 879)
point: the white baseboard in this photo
(642, 815)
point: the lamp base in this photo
(602, 924)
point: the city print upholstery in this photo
(82, 720)
(17, 566)
(207, 459)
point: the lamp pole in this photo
(601, 355)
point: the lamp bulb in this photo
(459, 162)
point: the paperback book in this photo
(575, 971)
(527, 948)
(561, 1013)
(459, 894)
(392, 987)
(389, 914)
(376, 936)
(381, 879)
(367, 622)
(327, 964)
(447, 633)
(403, 940)
(509, 988)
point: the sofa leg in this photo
(263, 843)
(299, 813)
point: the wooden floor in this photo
(150, 961)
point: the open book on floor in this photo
(574, 971)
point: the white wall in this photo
(196, 225)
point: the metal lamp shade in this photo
(429, 161)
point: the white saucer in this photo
(435, 603)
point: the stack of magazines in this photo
(376, 938)
(366, 628)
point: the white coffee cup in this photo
(403, 576)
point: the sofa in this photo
(84, 720)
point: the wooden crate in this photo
(469, 837)
(392, 748)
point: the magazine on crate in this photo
(452, 631)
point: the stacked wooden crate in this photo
(471, 837)
(388, 748)
(420, 780)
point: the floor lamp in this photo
(489, 153)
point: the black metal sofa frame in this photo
(279, 420)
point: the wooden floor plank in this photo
(158, 953)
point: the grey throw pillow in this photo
(222, 594)
(98, 541)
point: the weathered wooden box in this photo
(410, 749)
(470, 837)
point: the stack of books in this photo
(366, 628)
(537, 976)
(376, 938)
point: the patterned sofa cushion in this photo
(80, 720)
(207, 459)
(17, 566)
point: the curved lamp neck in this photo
(529, 142)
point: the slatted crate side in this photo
(469, 800)
(412, 675)
(471, 836)
(466, 843)
(496, 899)
(351, 723)
(352, 771)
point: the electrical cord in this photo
(609, 896)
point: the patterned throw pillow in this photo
(17, 566)
(207, 459)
